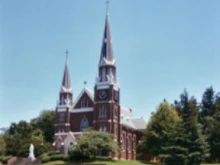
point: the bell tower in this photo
(107, 91)
(64, 103)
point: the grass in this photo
(109, 162)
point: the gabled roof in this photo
(107, 50)
(89, 92)
(127, 118)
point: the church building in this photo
(98, 108)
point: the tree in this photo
(208, 104)
(2, 146)
(19, 135)
(158, 129)
(39, 147)
(209, 118)
(92, 142)
(187, 145)
(13, 144)
(45, 122)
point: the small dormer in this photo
(127, 119)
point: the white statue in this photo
(31, 153)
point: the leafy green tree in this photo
(45, 122)
(39, 147)
(23, 128)
(40, 129)
(13, 144)
(92, 142)
(187, 145)
(2, 146)
(157, 133)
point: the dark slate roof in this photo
(66, 77)
(107, 50)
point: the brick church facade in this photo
(99, 108)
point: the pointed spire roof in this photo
(107, 50)
(66, 84)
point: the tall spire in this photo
(107, 50)
(66, 84)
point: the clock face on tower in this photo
(102, 95)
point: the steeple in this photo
(107, 66)
(107, 55)
(66, 84)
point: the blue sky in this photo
(161, 47)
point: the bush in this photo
(57, 157)
(5, 159)
(53, 153)
(52, 156)
(1, 157)
(77, 155)
(45, 159)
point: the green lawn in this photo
(111, 162)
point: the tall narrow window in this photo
(134, 143)
(103, 74)
(84, 103)
(87, 103)
(102, 111)
(122, 142)
(110, 71)
(105, 112)
(62, 100)
(104, 129)
(129, 143)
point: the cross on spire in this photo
(66, 54)
(107, 6)
(85, 82)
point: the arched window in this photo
(129, 143)
(62, 100)
(103, 74)
(134, 143)
(87, 103)
(62, 117)
(105, 112)
(122, 142)
(102, 111)
(84, 124)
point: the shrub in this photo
(53, 153)
(5, 159)
(77, 155)
(57, 157)
(66, 157)
(1, 157)
(45, 159)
